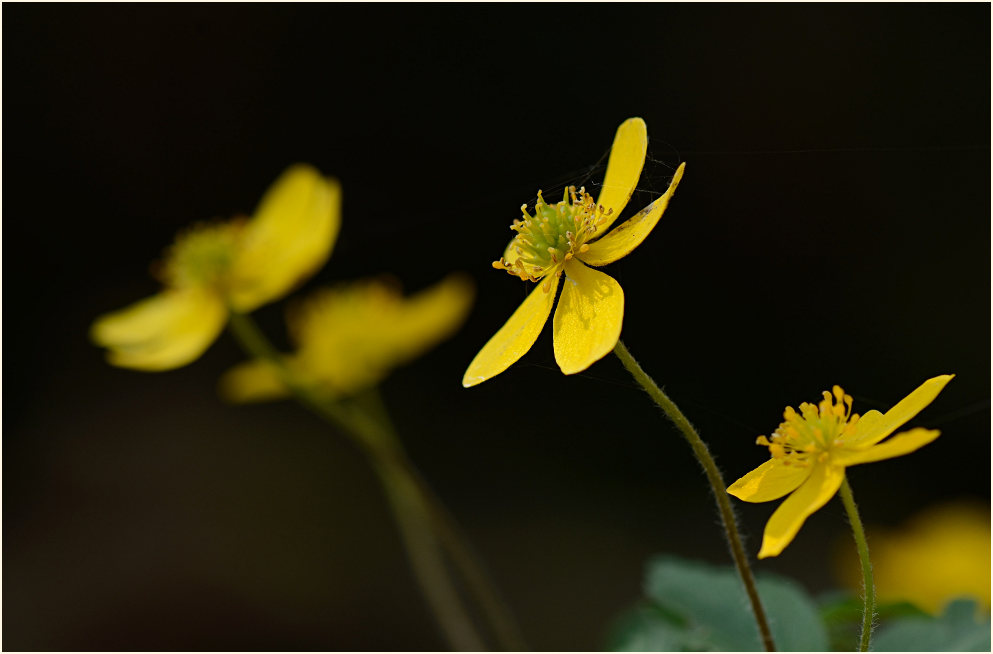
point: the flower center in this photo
(814, 431)
(553, 235)
(202, 255)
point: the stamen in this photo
(815, 430)
(554, 234)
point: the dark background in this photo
(832, 227)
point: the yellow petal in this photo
(429, 317)
(162, 332)
(814, 493)
(289, 238)
(866, 426)
(627, 158)
(254, 381)
(628, 235)
(769, 481)
(515, 338)
(587, 322)
(903, 443)
(876, 429)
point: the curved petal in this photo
(162, 332)
(877, 429)
(628, 235)
(627, 158)
(769, 481)
(587, 322)
(289, 238)
(253, 381)
(515, 338)
(903, 443)
(784, 524)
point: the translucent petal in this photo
(587, 322)
(903, 443)
(289, 238)
(510, 253)
(628, 235)
(876, 430)
(866, 426)
(769, 481)
(627, 158)
(515, 338)
(162, 332)
(254, 381)
(814, 493)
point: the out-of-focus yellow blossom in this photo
(350, 337)
(564, 238)
(217, 267)
(812, 448)
(942, 553)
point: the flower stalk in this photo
(717, 485)
(426, 528)
(869, 590)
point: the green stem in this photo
(468, 564)
(426, 559)
(869, 608)
(456, 544)
(717, 485)
(421, 517)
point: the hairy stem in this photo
(869, 594)
(717, 485)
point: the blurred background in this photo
(833, 226)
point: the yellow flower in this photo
(349, 337)
(216, 267)
(812, 448)
(564, 238)
(939, 555)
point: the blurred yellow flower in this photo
(563, 238)
(216, 267)
(350, 337)
(940, 554)
(811, 450)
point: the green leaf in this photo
(716, 611)
(957, 630)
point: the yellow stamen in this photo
(816, 429)
(554, 234)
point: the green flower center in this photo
(202, 256)
(552, 236)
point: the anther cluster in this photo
(202, 255)
(815, 431)
(553, 235)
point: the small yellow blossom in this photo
(941, 554)
(564, 238)
(350, 337)
(217, 267)
(812, 448)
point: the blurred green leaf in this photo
(957, 630)
(695, 606)
(841, 612)
(645, 628)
